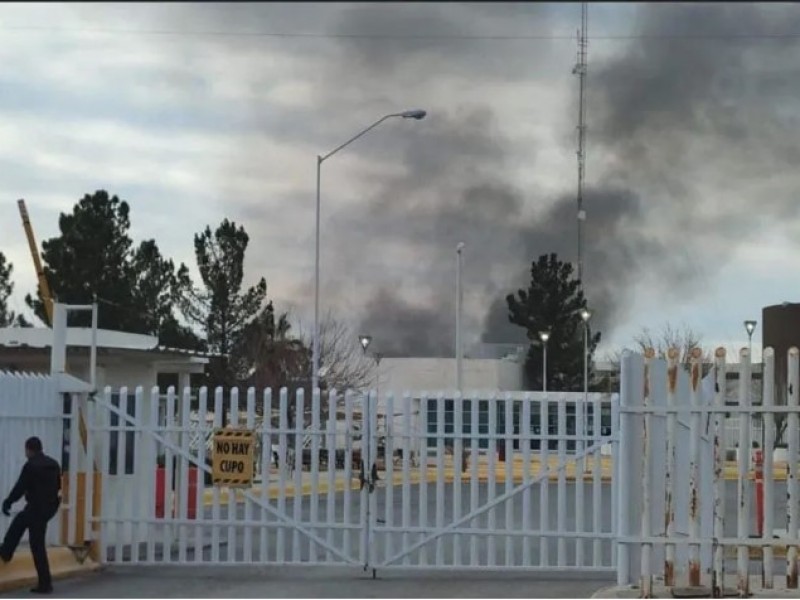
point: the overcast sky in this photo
(192, 114)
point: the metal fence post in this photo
(631, 383)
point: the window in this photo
(114, 436)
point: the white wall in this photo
(434, 374)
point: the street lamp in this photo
(586, 314)
(544, 336)
(750, 327)
(365, 341)
(408, 114)
(459, 306)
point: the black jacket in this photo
(40, 483)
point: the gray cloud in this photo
(687, 139)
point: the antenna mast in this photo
(580, 71)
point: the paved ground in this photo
(320, 582)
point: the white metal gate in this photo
(482, 495)
(423, 481)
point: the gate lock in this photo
(371, 481)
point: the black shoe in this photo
(42, 590)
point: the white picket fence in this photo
(30, 405)
(677, 510)
(476, 488)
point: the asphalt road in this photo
(349, 580)
(316, 582)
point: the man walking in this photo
(40, 483)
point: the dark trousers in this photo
(35, 521)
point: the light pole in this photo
(544, 336)
(586, 314)
(459, 307)
(408, 114)
(750, 327)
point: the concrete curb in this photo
(20, 572)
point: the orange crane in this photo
(44, 288)
(47, 298)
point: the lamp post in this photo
(408, 114)
(586, 314)
(459, 307)
(544, 336)
(750, 327)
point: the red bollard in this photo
(759, 476)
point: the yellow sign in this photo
(233, 457)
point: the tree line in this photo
(139, 290)
(93, 258)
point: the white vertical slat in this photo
(348, 471)
(597, 481)
(233, 493)
(423, 476)
(297, 500)
(440, 456)
(493, 447)
(646, 576)
(474, 459)
(768, 401)
(694, 469)
(673, 356)
(409, 443)
(561, 505)
(615, 477)
(283, 469)
(580, 467)
(330, 512)
(149, 483)
(793, 500)
(743, 495)
(509, 474)
(544, 484)
(250, 424)
(183, 495)
(203, 432)
(122, 503)
(91, 470)
(316, 431)
(372, 498)
(169, 501)
(364, 516)
(388, 460)
(142, 470)
(215, 506)
(107, 502)
(75, 450)
(525, 442)
(266, 480)
(458, 468)
(718, 571)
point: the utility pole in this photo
(580, 71)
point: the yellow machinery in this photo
(47, 298)
(44, 288)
